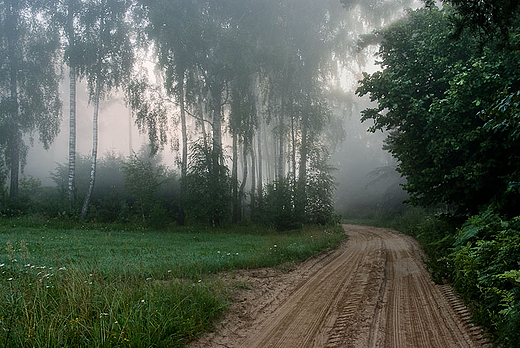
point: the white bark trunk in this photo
(86, 202)
(72, 134)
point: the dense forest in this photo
(251, 95)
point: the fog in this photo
(364, 171)
(117, 134)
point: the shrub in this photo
(486, 263)
(206, 188)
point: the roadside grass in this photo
(102, 287)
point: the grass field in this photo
(96, 287)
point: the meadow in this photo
(95, 286)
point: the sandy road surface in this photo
(373, 292)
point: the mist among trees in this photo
(251, 96)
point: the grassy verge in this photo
(85, 286)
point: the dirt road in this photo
(373, 292)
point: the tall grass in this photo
(103, 288)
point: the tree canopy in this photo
(448, 105)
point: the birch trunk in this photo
(72, 107)
(293, 139)
(281, 167)
(202, 123)
(72, 134)
(253, 179)
(234, 180)
(217, 127)
(184, 162)
(257, 159)
(86, 202)
(260, 177)
(241, 193)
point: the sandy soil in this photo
(372, 292)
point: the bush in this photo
(320, 189)
(486, 263)
(136, 189)
(278, 207)
(206, 188)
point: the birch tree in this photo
(109, 55)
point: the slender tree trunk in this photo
(260, 159)
(281, 166)
(241, 193)
(217, 155)
(269, 161)
(293, 139)
(301, 199)
(302, 174)
(202, 123)
(234, 180)
(11, 30)
(72, 107)
(86, 202)
(72, 135)
(217, 125)
(255, 200)
(184, 161)
(253, 179)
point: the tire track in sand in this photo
(376, 293)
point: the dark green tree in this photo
(437, 97)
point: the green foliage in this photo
(279, 205)
(283, 197)
(144, 181)
(320, 191)
(487, 17)
(486, 264)
(206, 188)
(136, 189)
(439, 98)
(29, 81)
